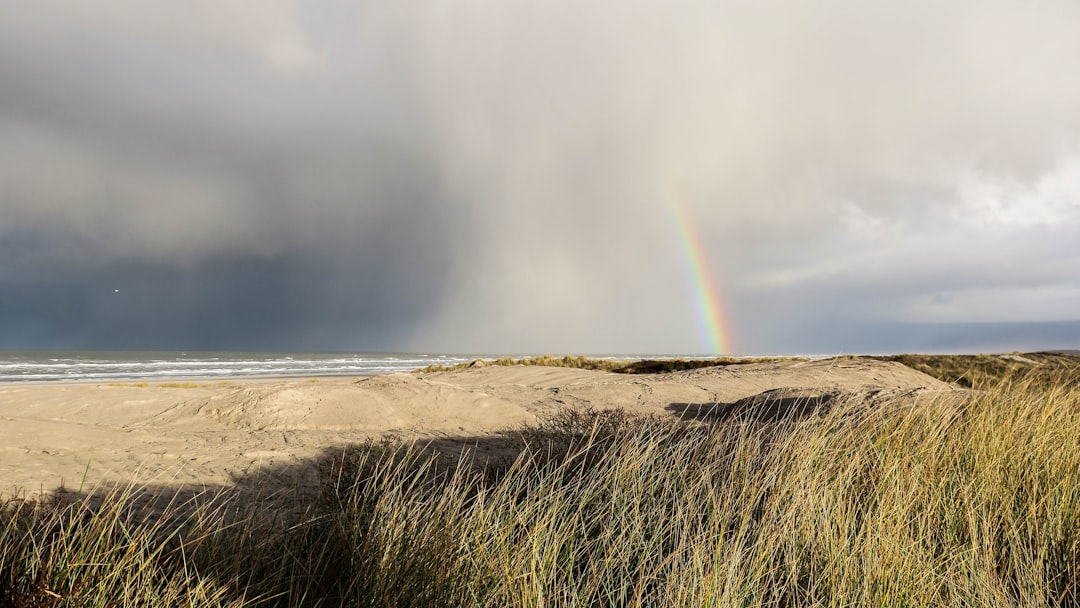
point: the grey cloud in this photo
(498, 178)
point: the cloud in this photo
(497, 177)
(269, 31)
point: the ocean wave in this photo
(27, 366)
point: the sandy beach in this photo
(218, 434)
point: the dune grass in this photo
(645, 366)
(986, 371)
(965, 370)
(953, 499)
(578, 362)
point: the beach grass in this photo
(965, 498)
(622, 366)
(963, 370)
(986, 371)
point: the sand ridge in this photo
(213, 434)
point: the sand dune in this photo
(214, 434)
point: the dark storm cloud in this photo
(478, 177)
(234, 202)
(225, 303)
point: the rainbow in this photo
(714, 323)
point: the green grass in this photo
(968, 499)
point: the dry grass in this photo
(969, 500)
(986, 371)
(964, 370)
(579, 362)
(939, 502)
(646, 366)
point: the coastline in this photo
(207, 380)
(175, 366)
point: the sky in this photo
(540, 176)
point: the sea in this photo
(109, 366)
(92, 366)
